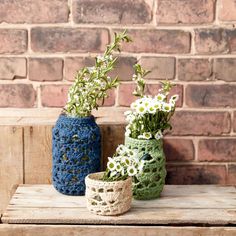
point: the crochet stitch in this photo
(108, 198)
(148, 184)
(76, 147)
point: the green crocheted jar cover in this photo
(148, 184)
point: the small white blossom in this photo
(158, 135)
(166, 107)
(147, 135)
(132, 171)
(111, 165)
(141, 109)
(160, 97)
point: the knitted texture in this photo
(148, 184)
(76, 148)
(108, 198)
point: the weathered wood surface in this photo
(83, 230)
(26, 154)
(11, 162)
(184, 205)
(38, 154)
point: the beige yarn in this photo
(107, 198)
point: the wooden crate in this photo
(181, 211)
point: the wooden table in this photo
(181, 211)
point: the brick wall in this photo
(192, 42)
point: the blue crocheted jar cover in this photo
(76, 148)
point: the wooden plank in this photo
(68, 230)
(141, 216)
(48, 116)
(11, 162)
(38, 154)
(210, 197)
(43, 204)
(112, 136)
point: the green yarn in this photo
(149, 184)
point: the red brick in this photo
(30, 11)
(153, 89)
(194, 69)
(13, 41)
(178, 149)
(74, 40)
(231, 178)
(124, 68)
(185, 12)
(54, 95)
(217, 149)
(200, 123)
(112, 11)
(196, 174)
(210, 41)
(73, 64)
(17, 95)
(158, 41)
(227, 10)
(211, 95)
(45, 69)
(125, 97)
(12, 68)
(160, 67)
(231, 40)
(225, 69)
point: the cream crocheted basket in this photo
(107, 198)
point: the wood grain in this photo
(38, 154)
(77, 230)
(11, 162)
(192, 205)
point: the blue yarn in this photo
(76, 150)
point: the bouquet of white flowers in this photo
(124, 163)
(149, 116)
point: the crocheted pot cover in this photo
(149, 184)
(108, 198)
(76, 147)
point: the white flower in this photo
(133, 153)
(100, 58)
(157, 105)
(160, 97)
(119, 167)
(126, 160)
(113, 173)
(130, 118)
(141, 165)
(127, 132)
(158, 135)
(174, 99)
(141, 110)
(121, 149)
(140, 136)
(131, 170)
(166, 107)
(111, 165)
(152, 109)
(147, 135)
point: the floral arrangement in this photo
(92, 83)
(149, 116)
(124, 163)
